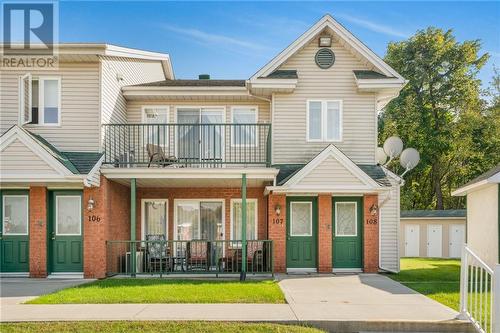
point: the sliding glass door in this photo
(200, 134)
(199, 220)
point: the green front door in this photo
(65, 232)
(14, 236)
(301, 226)
(347, 232)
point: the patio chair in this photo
(197, 255)
(158, 256)
(157, 155)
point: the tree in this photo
(440, 113)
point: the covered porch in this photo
(191, 221)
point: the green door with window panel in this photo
(301, 232)
(347, 232)
(14, 232)
(65, 232)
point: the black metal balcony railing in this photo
(188, 257)
(189, 145)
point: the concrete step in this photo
(338, 326)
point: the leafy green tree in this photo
(440, 113)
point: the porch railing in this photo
(188, 257)
(479, 292)
(188, 145)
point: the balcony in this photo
(187, 145)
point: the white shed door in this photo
(435, 240)
(412, 240)
(457, 238)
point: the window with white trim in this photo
(236, 224)
(324, 120)
(40, 100)
(158, 115)
(244, 134)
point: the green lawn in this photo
(438, 279)
(166, 291)
(152, 327)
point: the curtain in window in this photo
(251, 220)
(315, 120)
(245, 134)
(333, 121)
(155, 216)
(15, 215)
(69, 215)
(156, 135)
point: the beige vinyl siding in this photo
(134, 108)
(389, 228)
(337, 82)
(133, 71)
(17, 159)
(482, 223)
(330, 172)
(423, 225)
(79, 129)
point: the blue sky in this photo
(234, 39)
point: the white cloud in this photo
(376, 27)
(213, 38)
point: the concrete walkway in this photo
(349, 303)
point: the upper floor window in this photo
(40, 100)
(324, 120)
(156, 135)
(246, 132)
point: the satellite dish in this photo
(393, 146)
(409, 158)
(381, 156)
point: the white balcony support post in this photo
(495, 301)
(464, 278)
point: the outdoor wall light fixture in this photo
(325, 41)
(277, 209)
(90, 204)
(374, 209)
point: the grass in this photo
(152, 327)
(438, 279)
(110, 291)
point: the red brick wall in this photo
(371, 241)
(325, 233)
(277, 230)
(204, 193)
(38, 231)
(112, 206)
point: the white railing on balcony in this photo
(479, 292)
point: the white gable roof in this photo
(24, 160)
(330, 171)
(328, 21)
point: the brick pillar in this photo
(277, 230)
(95, 227)
(325, 233)
(38, 231)
(371, 241)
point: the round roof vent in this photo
(324, 58)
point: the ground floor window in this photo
(154, 219)
(236, 210)
(199, 220)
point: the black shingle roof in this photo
(363, 74)
(283, 74)
(194, 83)
(433, 213)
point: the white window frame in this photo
(143, 216)
(310, 204)
(255, 109)
(200, 108)
(27, 215)
(167, 112)
(355, 218)
(41, 104)
(324, 123)
(22, 100)
(198, 201)
(79, 209)
(233, 201)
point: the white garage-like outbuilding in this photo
(433, 233)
